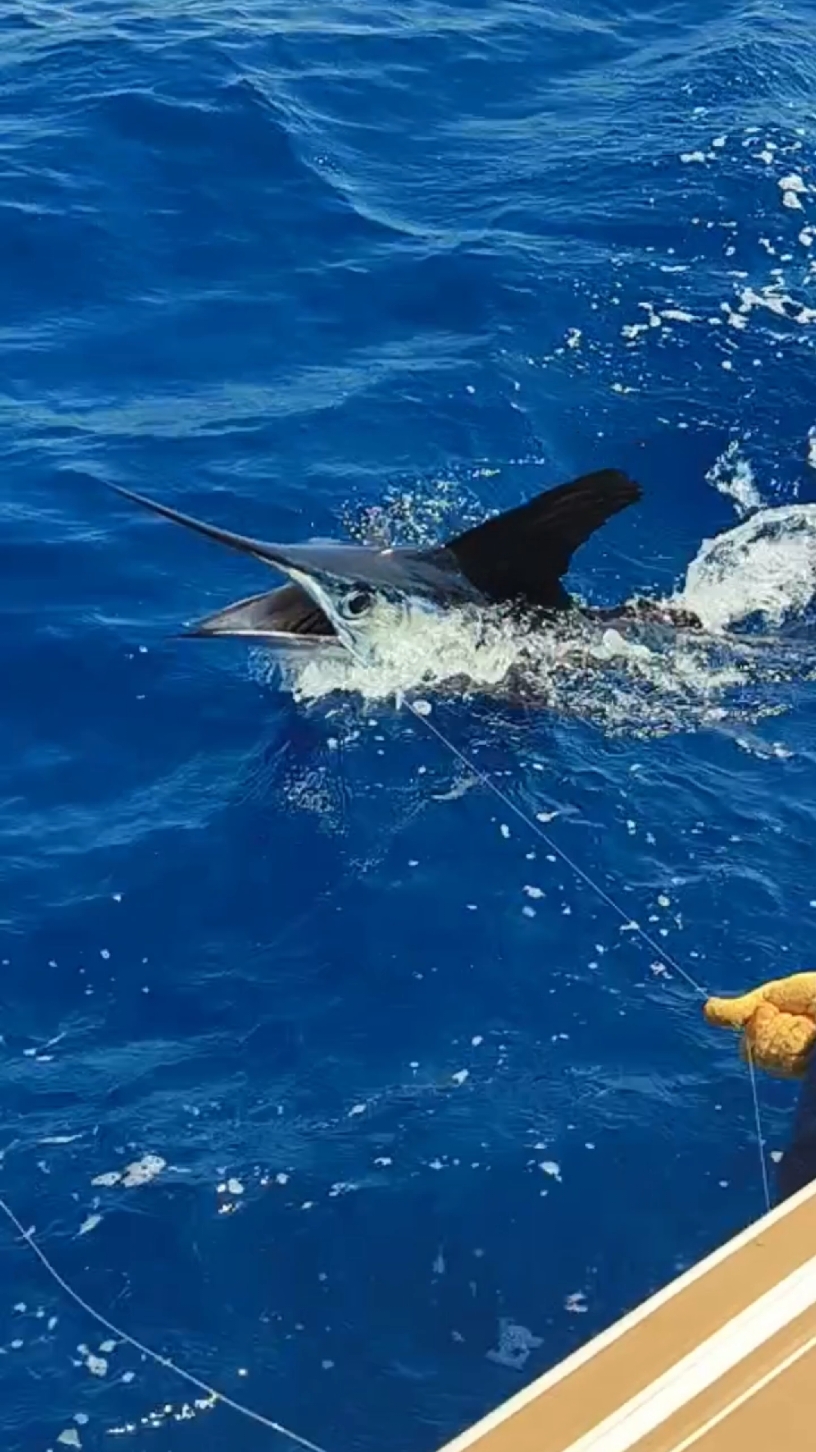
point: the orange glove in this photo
(777, 1021)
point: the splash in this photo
(731, 474)
(637, 677)
(416, 650)
(765, 568)
(419, 514)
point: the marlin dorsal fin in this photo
(522, 554)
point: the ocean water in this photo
(411, 1115)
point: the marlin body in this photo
(516, 559)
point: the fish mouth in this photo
(276, 617)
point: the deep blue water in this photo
(282, 265)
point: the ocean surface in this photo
(321, 1072)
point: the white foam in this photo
(766, 566)
(410, 651)
(792, 183)
(515, 1344)
(776, 300)
(664, 682)
(731, 474)
(141, 1172)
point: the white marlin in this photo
(516, 559)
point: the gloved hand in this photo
(777, 1021)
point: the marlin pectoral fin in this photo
(523, 553)
(288, 611)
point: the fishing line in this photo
(538, 830)
(27, 1236)
(146, 1351)
(758, 1121)
(631, 925)
(610, 902)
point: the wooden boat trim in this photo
(709, 1354)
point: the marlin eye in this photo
(357, 602)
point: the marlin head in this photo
(336, 591)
